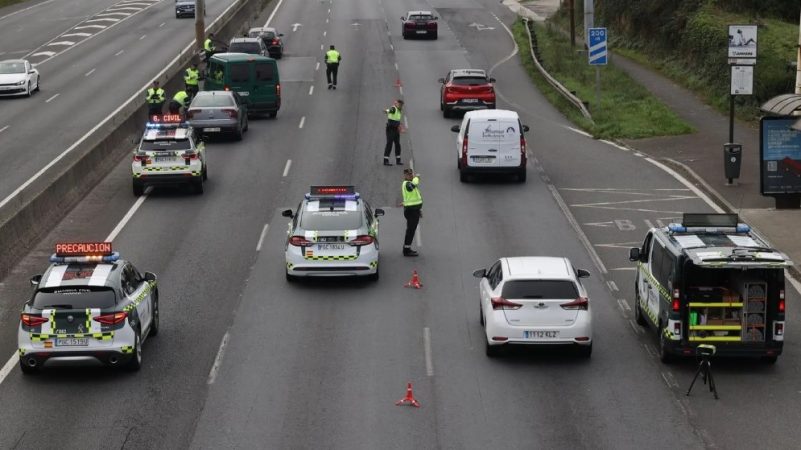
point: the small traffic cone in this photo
(414, 282)
(409, 399)
(398, 82)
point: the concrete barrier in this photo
(37, 206)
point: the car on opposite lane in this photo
(333, 232)
(534, 301)
(215, 112)
(18, 77)
(466, 90)
(89, 307)
(419, 24)
(184, 8)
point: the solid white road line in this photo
(581, 132)
(4, 128)
(143, 36)
(427, 345)
(418, 236)
(119, 53)
(162, 24)
(26, 9)
(127, 217)
(317, 67)
(52, 98)
(218, 359)
(287, 166)
(261, 237)
(9, 366)
(311, 89)
(400, 90)
(89, 73)
(302, 119)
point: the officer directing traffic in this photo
(394, 116)
(332, 60)
(155, 99)
(191, 78)
(412, 208)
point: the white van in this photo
(491, 141)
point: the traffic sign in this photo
(597, 45)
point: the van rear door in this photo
(238, 78)
(509, 143)
(483, 145)
(265, 92)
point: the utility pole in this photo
(200, 23)
(589, 20)
(573, 25)
(798, 61)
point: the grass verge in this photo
(626, 110)
(4, 3)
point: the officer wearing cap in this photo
(191, 78)
(394, 117)
(155, 99)
(412, 208)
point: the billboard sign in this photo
(742, 41)
(779, 156)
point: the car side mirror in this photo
(634, 254)
(280, 34)
(379, 212)
(436, 18)
(403, 18)
(525, 128)
(31, 71)
(480, 273)
(35, 280)
(455, 128)
(492, 80)
(287, 213)
(442, 80)
(581, 273)
(150, 276)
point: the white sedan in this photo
(18, 77)
(534, 301)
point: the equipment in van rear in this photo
(711, 280)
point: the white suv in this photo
(534, 301)
(491, 141)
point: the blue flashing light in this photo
(354, 196)
(161, 126)
(743, 228)
(84, 259)
(677, 228)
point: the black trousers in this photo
(154, 109)
(174, 107)
(412, 215)
(393, 137)
(331, 70)
(192, 89)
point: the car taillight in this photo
(502, 303)
(226, 88)
(32, 321)
(232, 113)
(676, 300)
(362, 240)
(299, 241)
(581, 303)
(432, 25)
(278, 89)
(781, 302)
(111, 319)
(190, 155)
(142, 158)
(778, 329)
(464, 151)
(275, 41)
(522, 151)
(191, 113)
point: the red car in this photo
(466, 90)
(419, 24)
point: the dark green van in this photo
(253, 77)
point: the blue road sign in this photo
(597, 44)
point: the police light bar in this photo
(83, 249)
(336, 192)
(84, 259)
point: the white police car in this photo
(170, 153)
(334, 232)
(89, 306)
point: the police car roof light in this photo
(743, 228)
(677, 228)
(84, 259)
(332, 192)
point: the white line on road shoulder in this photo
(126, 218)
(317, 67)
(89, 73)
(418, 236)
(261, 236)
(4, 128)
(286, 168)
(311, 89)
(119, 53)
(162, 24)
(427, 345)
(302, 119)
(9, 366)
(581, 132)
(218, 359)
(22, 11)
(143, 36)
(52, 98)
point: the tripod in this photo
(704, 369)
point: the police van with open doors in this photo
(711, 280)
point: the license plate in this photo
(211, 130)
(483, 159)
(72, 342)
(422, 31)
(470, 100)
(244, 94)
(322, 247)
(160, 159)
(540, 334)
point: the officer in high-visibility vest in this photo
(332, 59)
(179, 100)
(191, 78)
(208, 46)
(394, 117)
(155, 99)
(412, 208)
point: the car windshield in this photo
(166, 144)
(12, 67)
(421, 17)
(205, 101)
(330, 216)
(244, 47)
(269, 34)
(469, 81)
(547, 289)
(74, 298)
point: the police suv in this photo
(89, 306)
(711, 280)
(333, 232)
(170, 153)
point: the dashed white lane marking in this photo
(637, 329)
(85, 27)
(624, 305)
(48, 54)
(119, 53)
(311, 89)
(162, 24)
(143, 36)
(329, 10)
(405, 122)
(286, 167)
(4, 128)
(9, 366)
(317, 67)
(418, 236)
(325, 33)
(89, 73)
(218, 359)
(76, 35)
(396, 66)
(127, 217)
(400, 90)
(326, 20)
(392, 47)
(52, 98)
(302, 121)
(104, 19)
(261, 236)
(427, 346)
(321, 46)
(65, 43)
(649, 350)
(123, 14)
(411, 164)
(612, 286)
(581, 132)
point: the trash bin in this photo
(732, 159)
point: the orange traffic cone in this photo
(409, 399)
(398, 82)
(414, 282)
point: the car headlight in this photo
(20, 83)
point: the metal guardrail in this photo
(553, 81)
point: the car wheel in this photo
(197, 185)
(38, 83)
(136, 361)
(769, 359)
(154, 324)
(638, 317)
(29, 92)
(238, 133)
(446, 113)
(205, 172)
(664, 355)
(138, 189)
(374, 276)
(272, 114)
(404, 35)
(26, 369)
(291, 278)
(521, 176)
(480, 314)
(434, 36)
(491, 351)
(463, 176)
(585, 351)
(247, 124)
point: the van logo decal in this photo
(510, 130)
(490, 133)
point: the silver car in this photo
(216, 112)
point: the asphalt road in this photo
(105, 68)
(320, 364)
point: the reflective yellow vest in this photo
(394, 114)
(332, 57)
(155, 95)
(413, 197)
(181, 97)
(191, 77)
(208, 45)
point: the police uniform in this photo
(155, 100)
(412, 208)
(180, 99)
(332, 59)
(191, 78)
(394, 116)
(208, 47)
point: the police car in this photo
(170, 153)
(333, 232)
(89, 306)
